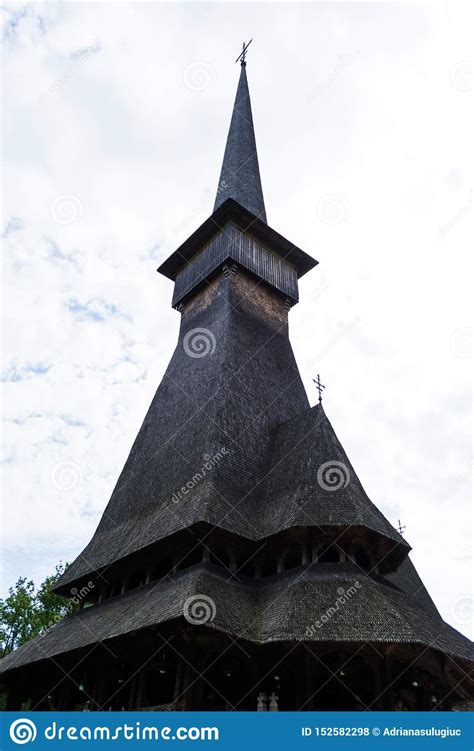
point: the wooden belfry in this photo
(238, 523)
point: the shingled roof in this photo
(240, 174)
(302, 606)
(287, 494)
(311, 481)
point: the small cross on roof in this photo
(243, 54)
(320, 387)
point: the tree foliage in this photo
(27, 612)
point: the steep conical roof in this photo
(240, 174)
(311, 482)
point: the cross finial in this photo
(400, 528)
(243, 54)
(319, 387)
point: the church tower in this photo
(239, 564)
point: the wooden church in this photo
(239, 564)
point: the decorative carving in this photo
(230, 269)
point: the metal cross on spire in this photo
(243, 54)
(320, 387)
(400, 528)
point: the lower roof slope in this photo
(302, 606)
(289, 495)
(311, 481)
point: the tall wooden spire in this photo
(240, 174)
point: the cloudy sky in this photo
(114, 124)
